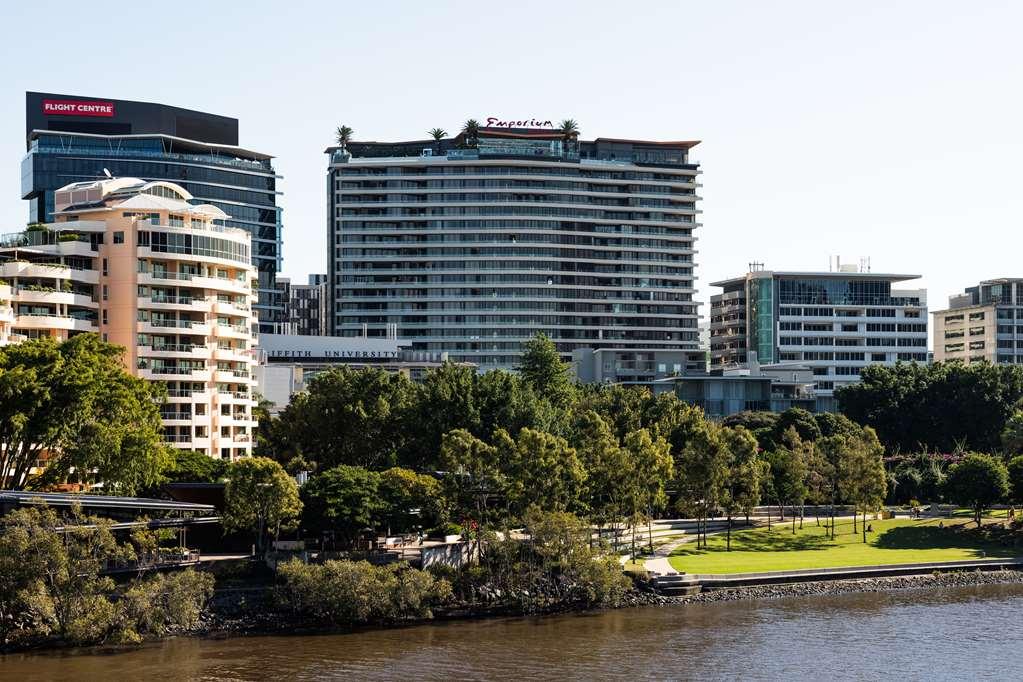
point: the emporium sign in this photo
(68, 107)
(494, 122)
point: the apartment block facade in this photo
(139, 264)
(837, 323)
(983, 324)
(471, 245)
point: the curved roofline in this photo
(259, 156)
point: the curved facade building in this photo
(137, 263)
(470, 247)
(74, 139)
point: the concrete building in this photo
(612, 366)
(472, 245)
(722, 393)
(983, 324)
(286, 362)
(835, 322)
(139, 264)
(306, 306)
(70, 138)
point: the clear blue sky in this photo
(881, 129)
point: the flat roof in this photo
(108, 501)
(892, 277)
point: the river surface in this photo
(919, 634)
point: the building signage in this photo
(329, 353)
(494, 122)
(72, 107)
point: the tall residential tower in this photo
(472, 245)
(146, 268)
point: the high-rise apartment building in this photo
(146, 268)
(306, 307)
(80, 139)
(984, 324)
(474, 244)
(837, 323)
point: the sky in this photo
(881, 130)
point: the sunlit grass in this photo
(893, 541)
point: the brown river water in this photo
(965, 633)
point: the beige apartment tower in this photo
(983, 324)
(135, 262)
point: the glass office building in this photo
(836, 323)
(76, 139)
(471, 246)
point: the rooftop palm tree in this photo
(471, 130)
(569, 128)
(343, 135)
(438, 134)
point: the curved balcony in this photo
(199, 305)
(20, 268)
(184, 351)
(233, 286)
(232, 331)
(54, 321)
(173, 374)
(231, 308)
(233, 355)
(168, 326)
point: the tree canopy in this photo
(74, 402)
(942, 406)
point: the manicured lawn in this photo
(894, 541)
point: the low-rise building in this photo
(983, 324)
(138, 264)
(288, 361)
(621, 366)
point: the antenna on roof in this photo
(107, 173)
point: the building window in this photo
(118, 237)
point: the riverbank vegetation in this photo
(55, 586)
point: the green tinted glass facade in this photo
(761, 318)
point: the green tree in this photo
(941, 406)
(190, 466)
(438, 134)
(349, 416)
(446, 400)
(760, 424)
(75, 402)
(569, 130)
(789, 473)
(546, 373)
(626, 408)
(740, 489)
(341, 500)
(977, 481)
(1012, 434)
(408, 500)
(798, 419)
(473, 474)
(651, 467)
(343, 135)
(507, 402)
(609, 471)
(471, 132)
(703, 466)
(543, 470)
(261, 497)
(1014, 469)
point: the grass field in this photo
(894, 541)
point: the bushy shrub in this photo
(346, 593)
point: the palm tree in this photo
(570, 129)
(343, 135)
(438, 134)
(471, 130)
